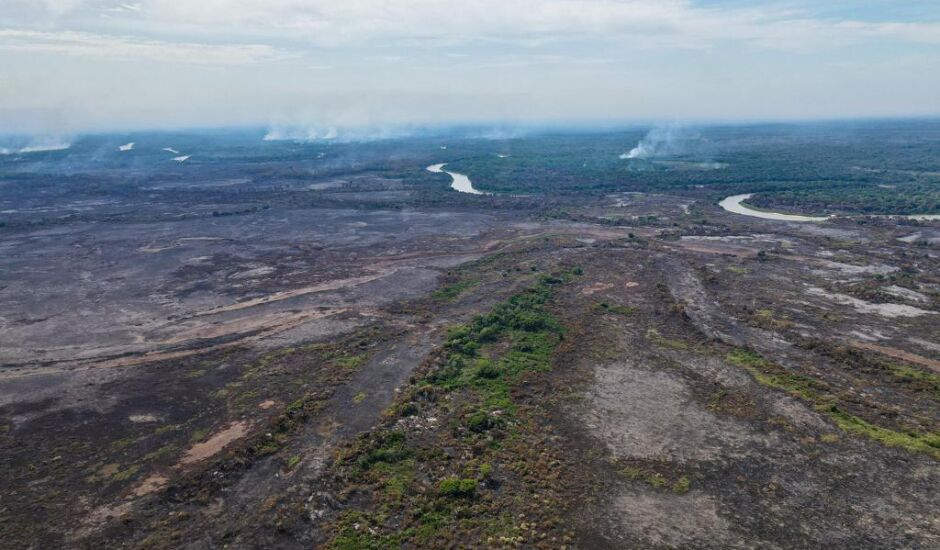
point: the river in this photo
(733, 204)
(459, 182)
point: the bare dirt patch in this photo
(218, 441)
(151, 485)
(596, 287)
(645, 413)
(675, 521)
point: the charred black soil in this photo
(382, 366)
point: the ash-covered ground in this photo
(296, 346)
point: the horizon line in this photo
(530, 125)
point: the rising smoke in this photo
(661, 142)
(314, 133)
(11, 146)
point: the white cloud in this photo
(334, 23)
(129, 48)
(923, 33)
(361, 62)
(121, 8)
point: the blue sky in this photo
(309, 66)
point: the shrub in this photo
(457, 487)
(480, 422)
(391, 450)
(681, 486)
(486, 369)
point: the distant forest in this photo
(848, 168)
(870, 168)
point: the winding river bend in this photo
(460, 181)
(733, 204)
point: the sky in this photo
(311, 68)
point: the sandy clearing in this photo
(151, 485)
(104, 514)
(597, 287)
(218, 441)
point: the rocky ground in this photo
(638, 371)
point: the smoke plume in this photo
(662, 141)
(20, 145)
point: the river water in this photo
(733, 204)
(460, 182)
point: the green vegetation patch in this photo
(826, 401)
(452, 291)
(522, 320)
(661, 340)
(349, 361)
(926, 381)
(389, 448)
(915, 442)
(775, 376)
(425, 484)
(457, 487)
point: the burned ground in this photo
(625, 370)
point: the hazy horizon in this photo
(309, 68)
(487, 130)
